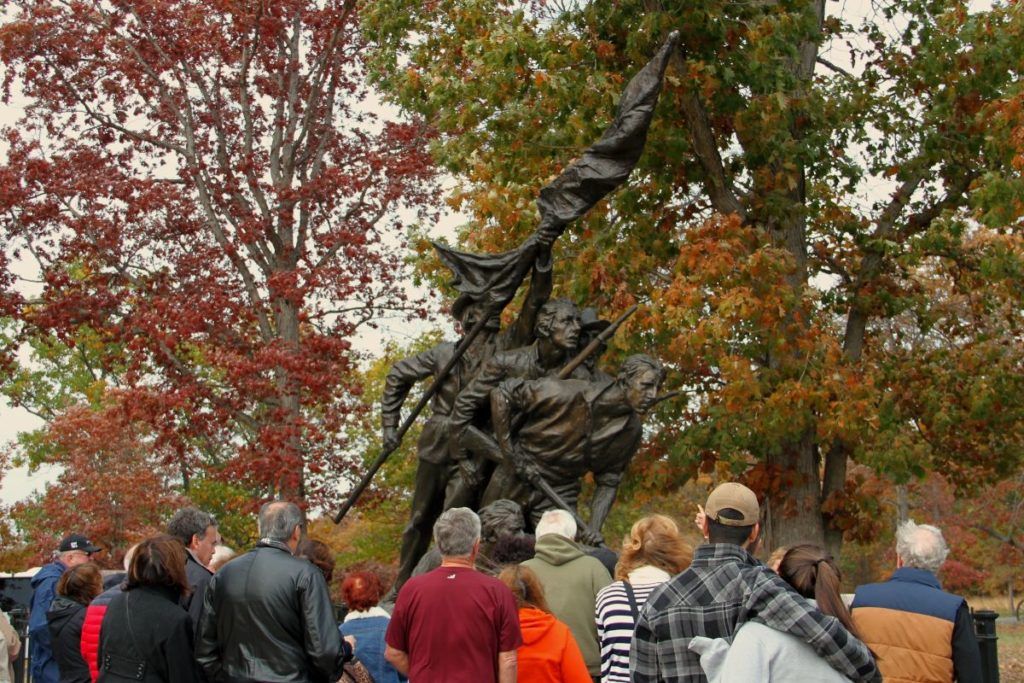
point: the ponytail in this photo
(814, 574)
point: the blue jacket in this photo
(44, 666)
(369, 633)
(918, 631)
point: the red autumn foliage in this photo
(113, 487)
(198, 187)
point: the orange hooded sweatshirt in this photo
(549, 653)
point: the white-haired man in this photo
(455, 624)
(918, 631)
(571, 580)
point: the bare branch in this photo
(838, 69)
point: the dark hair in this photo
(525, 585)
(723, 533)
(814, 574)
(81, 583)
(512, 549)
(159, 561)
(189, 522)
(320, 554)
(361, 590)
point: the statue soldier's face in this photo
(565, 328)
(642, 389)
(587, 336)
(471, 316)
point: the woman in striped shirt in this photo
(652, 553)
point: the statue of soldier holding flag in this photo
(486, 284)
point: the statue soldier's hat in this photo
(736, 497)
(460, 305)
(589, 320)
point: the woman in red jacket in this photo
(549, 653)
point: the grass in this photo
(1010, 645)
(1011, 652)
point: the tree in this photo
(209, 196)
(114, 485)
(816, 230)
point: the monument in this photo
(524, 414)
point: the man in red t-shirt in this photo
(454, 624)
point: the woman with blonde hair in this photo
(652, 553)
(549, 653)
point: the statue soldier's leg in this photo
(427, 504)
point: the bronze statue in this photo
(437, 484)
(568, 428)
(557, 335)
(541, 343)
(498, 520)
(590, 327)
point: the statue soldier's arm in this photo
(505, 405)
(400, 380)
(521, 332)
(476, 393)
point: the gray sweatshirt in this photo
(760, 653)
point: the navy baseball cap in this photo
(77, 542)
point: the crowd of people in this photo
(541, 608)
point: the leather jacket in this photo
(267, 616)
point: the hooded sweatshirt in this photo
(65, 620)
(571, 581)
(549, 653)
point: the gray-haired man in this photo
(455, 624)
(918, 630)
(198, 531)
(267, 615)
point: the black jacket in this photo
(65, 619)
(147, 637)
(198, 579)
(267, 616)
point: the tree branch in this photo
(716, 183)
(838, 69)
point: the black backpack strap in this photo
(631, 596)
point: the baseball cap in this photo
(736, 497)
(77, 542)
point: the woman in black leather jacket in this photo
(146, 636)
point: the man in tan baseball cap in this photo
(734, 507)
(724, 587)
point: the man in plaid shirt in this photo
(725, 587)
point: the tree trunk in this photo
(902, 504)
(291, 485)
(794, 511)
(833, 482)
